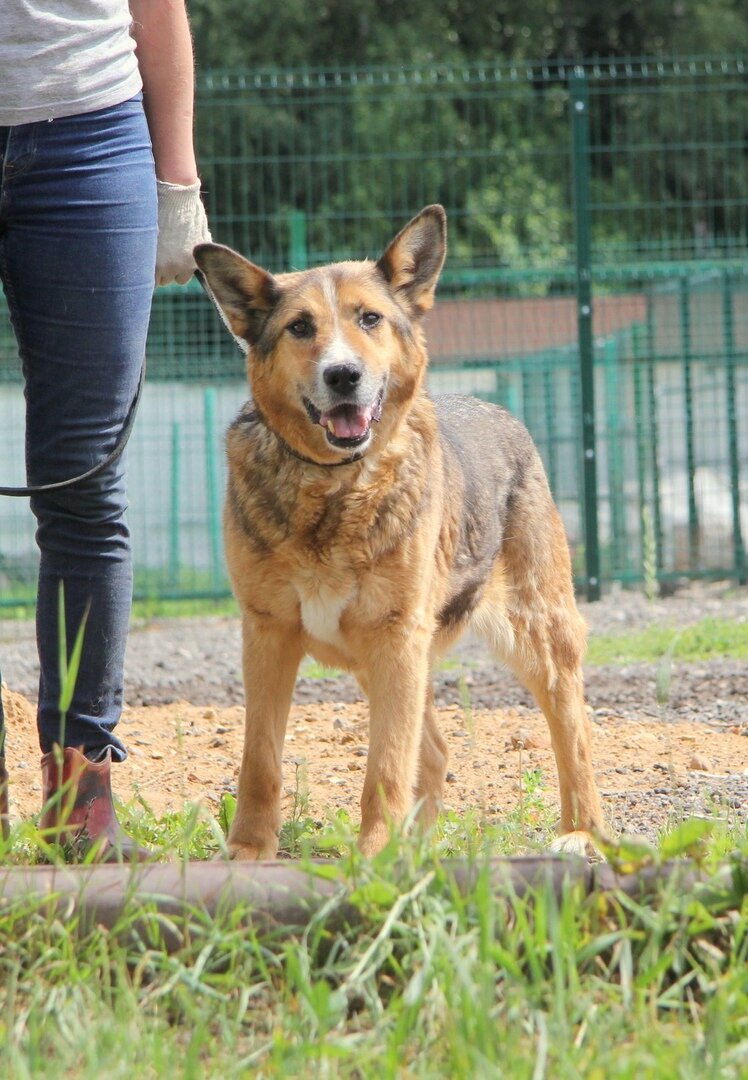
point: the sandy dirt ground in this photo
(650, 772)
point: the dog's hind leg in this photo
(432, 766)
(529, 617)
(271, 658)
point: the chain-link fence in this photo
(596, 285)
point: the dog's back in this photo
(491, 454)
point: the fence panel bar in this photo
(580, 127)
(728, 319)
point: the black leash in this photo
(119, 446)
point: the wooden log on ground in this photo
(159, 903)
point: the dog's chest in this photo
(321, 608)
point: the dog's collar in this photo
(310, 461)
(255, 413)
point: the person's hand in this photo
(181, 225)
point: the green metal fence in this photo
(596, 284)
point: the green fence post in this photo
(686, 347)
(654, 425)
(174, 505)
(580, 137)
(640, 431)
(549, 400)
(298, 257)
(212, 484)
(510, 396)
(728, 319)
(615, 455)
(528, 404)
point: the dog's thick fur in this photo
(369, 526)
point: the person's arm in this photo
(164, 51)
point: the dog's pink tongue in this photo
(346, 421)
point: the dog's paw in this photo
(374, 839)
(576, 843)
(251, 852)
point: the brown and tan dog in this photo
(369, 526)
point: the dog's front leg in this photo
(271, 657)
(397, 679)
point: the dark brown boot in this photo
(78, 811)
(4, 813)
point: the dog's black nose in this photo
(342, 378)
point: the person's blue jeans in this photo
(78, 228)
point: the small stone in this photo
(700, 763)
(526, 740)
(209, 714)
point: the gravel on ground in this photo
(655, 760)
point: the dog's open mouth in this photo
(347, 426)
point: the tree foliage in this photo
(332, 33)
(669, 160)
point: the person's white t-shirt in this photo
(63, 57)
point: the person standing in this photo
(99, 201)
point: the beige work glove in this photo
(181, 224)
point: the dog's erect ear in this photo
(413, 261)
(244, 294)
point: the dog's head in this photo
(333, 350)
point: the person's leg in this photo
(77, 257)
(4, 801)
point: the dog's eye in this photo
(301, 328)
(370, 319)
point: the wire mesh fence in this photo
(596, 285)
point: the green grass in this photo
(142, 610)
(183, 609)
(428, 983)
(313, 669)
(704, 640)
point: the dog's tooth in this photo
(331, 427)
